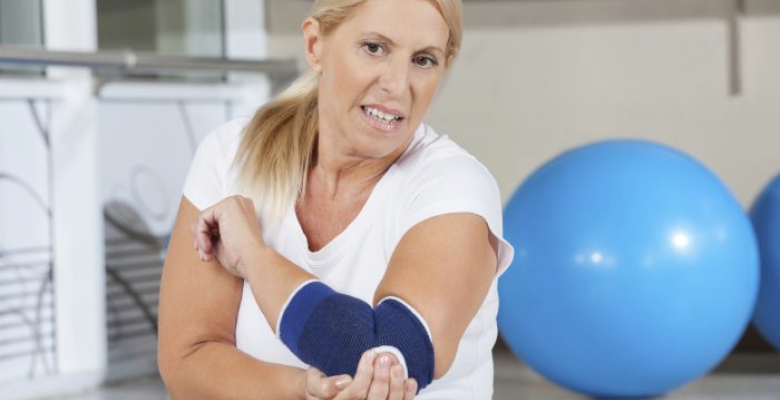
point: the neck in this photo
(346, 175)
(342, 172)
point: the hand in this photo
(227, 231)
(377, 378)
(388, 380)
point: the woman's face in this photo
(379, 72)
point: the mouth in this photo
(383, 120)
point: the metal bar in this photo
(735, 47)
(122, 308)
(135, 62)
(20, 250)
(46, 350)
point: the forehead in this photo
(416, 23)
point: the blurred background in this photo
(94, 149)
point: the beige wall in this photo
(536, 77)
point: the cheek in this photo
(335, 91)
(424, 91)
(346, 76)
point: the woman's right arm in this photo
(197, 353)
(198, 309)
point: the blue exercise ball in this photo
(635, 272)
(766, 221)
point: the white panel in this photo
(146, 153)
(27, 330)
(24, 184)
(147, 147)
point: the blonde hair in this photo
(279, 142)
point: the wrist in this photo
(253, 261)
(303, 389)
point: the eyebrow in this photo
(392, 43)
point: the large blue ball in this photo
(636, 270)
(766, 221)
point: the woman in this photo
(370, 270)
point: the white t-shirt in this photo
(434, 176)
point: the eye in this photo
(425, 61)
(373, 48)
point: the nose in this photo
(394, 79)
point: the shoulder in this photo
(435, 158)
(222, 142)
(439, 177)
(427, 145)
(211, 174)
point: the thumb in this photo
(341, 381)
(327, 387)
(331, 386)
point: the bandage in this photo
(331, 331)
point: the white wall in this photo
(537, 77)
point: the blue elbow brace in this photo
(331, 331)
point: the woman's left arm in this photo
(443, 267)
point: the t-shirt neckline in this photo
(339, 243)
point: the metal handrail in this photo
(129, 61)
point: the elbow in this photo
(445, 351)
(442, 365)
(167, 365)
(171, 363)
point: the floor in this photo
(741, 377)
(744, 376)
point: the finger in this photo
(194, 232)
(321, 387)
(380, 386)
(313, 376)
(362, 381)
(341, 381)
(329, 387)
(397, 388)
(410, 389)
(204, 227)
(248, 205)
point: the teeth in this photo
(379, 114)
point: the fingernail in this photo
(396, 371)
(384, 361)
(343, 382)
(371, 356)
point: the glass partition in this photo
(192, 28)
(21, 25)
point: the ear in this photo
(313, 41)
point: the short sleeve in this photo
(208, 178)
(458, 184)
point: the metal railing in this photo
(131, 62)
